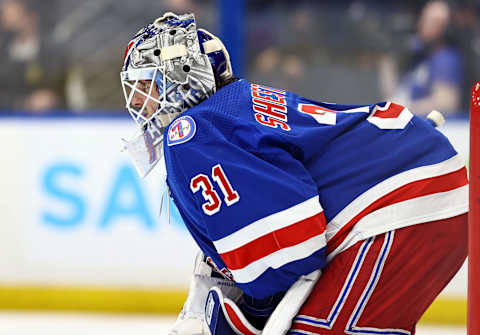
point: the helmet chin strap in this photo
(165, 119)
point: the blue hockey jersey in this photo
(272, 185)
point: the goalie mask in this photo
(169, 66)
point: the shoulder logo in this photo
(181, 130)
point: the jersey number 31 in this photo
(213, 201)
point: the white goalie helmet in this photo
(168, 67)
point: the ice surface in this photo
(39, 323)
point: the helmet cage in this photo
(168, 54)
(183, 65)
(138, 114)
(166, 110)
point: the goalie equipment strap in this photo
(281, 319)
(211, 46)
(173, 51)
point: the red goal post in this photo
(473, 322)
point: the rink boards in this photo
(81, 231)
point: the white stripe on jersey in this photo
(376, 192)
(269, 224)
(429, 208)
(422, 209)
(279, 258)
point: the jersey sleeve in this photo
(261, 210)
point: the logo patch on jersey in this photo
(224, 271)
(181, 130)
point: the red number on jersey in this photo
(230, 196)
(213, 202)
(321, 114)
(201, 181)
(391, 116)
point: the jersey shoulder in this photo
(216, 116)
(240, 113)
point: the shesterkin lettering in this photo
(270, 106)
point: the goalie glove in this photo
(224, 317)
(191, 320)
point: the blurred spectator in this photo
(283, 52)
(28, 61)
(286, 70)
(434, 75)
(466, 29)
(58, 54)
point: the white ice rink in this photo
(24, 323)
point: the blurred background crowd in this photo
(66, 55)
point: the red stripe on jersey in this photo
(392, 111)
(308, 329)
(237, 322)
(282, 238)
(419, 188)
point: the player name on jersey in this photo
(270, 106)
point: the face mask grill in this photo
(140, 100)
(164, 73)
